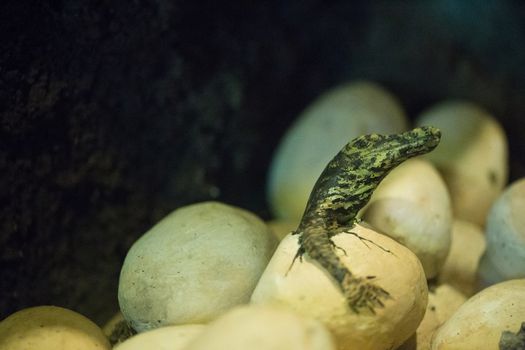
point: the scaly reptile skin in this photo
(344, 188)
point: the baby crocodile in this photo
(345, 187)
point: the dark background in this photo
(114, 113)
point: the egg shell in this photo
(164, 338)
(472, 156)
(412, 205)
(193, 265)
(504, 257)
(50, 328)
(443, 301)
(263, 327)
(310, 291)
(326, 125)
(479, 322)
(460, 268)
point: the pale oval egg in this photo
(50, 328)
(193, 265)
(326, 125)
(310, 291)
(472, 156)
(504, 257)
(412, 205)
(480, 322)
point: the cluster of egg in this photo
(452, 208)
(213, 276)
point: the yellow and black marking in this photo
(344, 188)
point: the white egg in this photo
(325, 126)
(164, 338)
(472, 156)
(50, 328)
(461, 266)
(263, 327)
(310, 291)
(443, 301)
(412, 205)
(193, 265)
(504, 257)
(481, 320)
